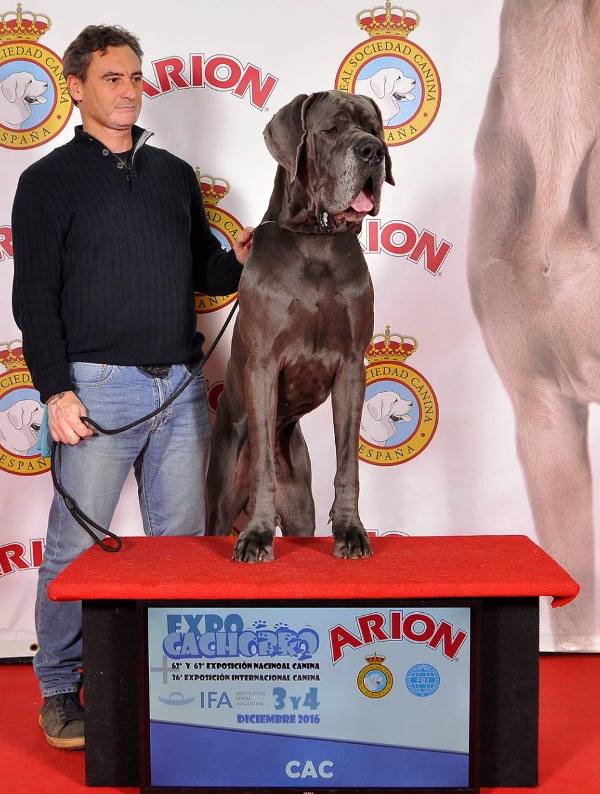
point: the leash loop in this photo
(84, 521)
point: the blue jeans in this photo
(169, 455)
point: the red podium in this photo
(507, 574)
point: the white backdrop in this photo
(466, 477)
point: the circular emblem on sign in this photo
(34, 99)
(400, 410)
(396, 74)
(224, 227)
(214, 392)
(422, 680)
(375, 680)
(21, 415)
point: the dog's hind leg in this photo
(293, 496)
(227, 477)
(226, 490)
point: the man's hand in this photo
(242, 244)
(64, 420)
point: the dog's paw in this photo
(351, 543)
(255, 544)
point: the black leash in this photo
(84, 521)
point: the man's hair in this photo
(91, 39)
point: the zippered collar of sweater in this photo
(138, 134)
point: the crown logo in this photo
(11, 354)
(388, 21)
(389, 349)
(213, 188)
(375, 659)
(23, 25)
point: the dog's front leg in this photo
(350, 538)
(255, 544)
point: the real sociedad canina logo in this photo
(20, 415)
(224, 227)
(400, 411)
(395, 73)
(34, 99)
(375, 680)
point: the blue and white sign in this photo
(309, 697)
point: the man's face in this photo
(110, 96)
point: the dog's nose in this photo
(370, 150)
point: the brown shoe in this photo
(61, 719)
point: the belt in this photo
(156, 372)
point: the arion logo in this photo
(402, 239)
(20, 555)
(218, 72)
(6, 244)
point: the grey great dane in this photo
(305, 320)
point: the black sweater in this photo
(107, 260)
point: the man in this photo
(103, 293)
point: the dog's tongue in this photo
(363, 202)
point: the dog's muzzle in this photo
(370, 150)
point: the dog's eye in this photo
(330, 130)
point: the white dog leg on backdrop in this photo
(553, 450)
(533, 272)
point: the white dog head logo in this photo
(387, 88)
(380, 414)
(20, 425)
(18, 92)
(375, 682)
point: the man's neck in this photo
(114, 140)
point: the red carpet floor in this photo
(569, 734)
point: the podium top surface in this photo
(201, 568)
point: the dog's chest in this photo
(320, 296)
(327, 280)
(329, 301)
(329, 267)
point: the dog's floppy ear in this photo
(377, 83)
(375, 407)
(17, 83)
(16, 415)
(285, 134)
(9, 87)
(388, 166)
(388, 160)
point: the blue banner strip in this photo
(189, 755)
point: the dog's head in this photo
(381, 414)
(392, 82)
(23, 85)
(387, 405)
(375, 682)
(20, 425)
(331, 145)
